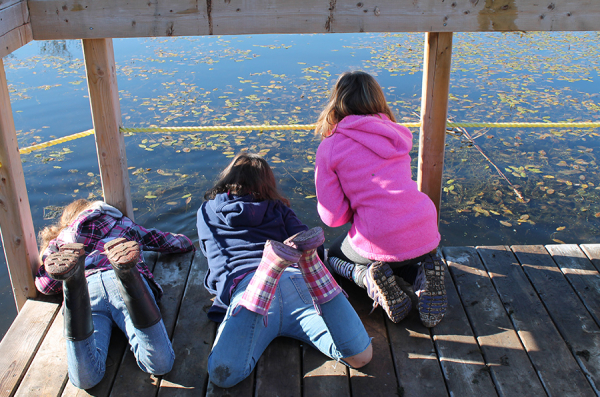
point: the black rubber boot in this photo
(123, 256)
(68, 266)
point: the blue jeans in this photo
(87, 358)
(243, 337)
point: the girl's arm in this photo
(333, 205)
(156, 240)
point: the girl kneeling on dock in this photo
(363, 176)
(94, 242)
(267, 277)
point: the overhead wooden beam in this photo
(15, 29)
(16, 224)
(73, 19)
(434, 110)
(106, 116)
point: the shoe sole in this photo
(433, 301)
(122, 253)
(396, 303)
(61, 266)
(284, 251)
(76, 248)
(307, 240)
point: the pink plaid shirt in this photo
(98, 225)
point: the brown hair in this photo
(354, 93)
(69, 214)
(247, 174)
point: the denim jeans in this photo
(87, 358)
(243, 337)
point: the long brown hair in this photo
(354, 93)
(247, 173)
(69, 214)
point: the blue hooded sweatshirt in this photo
(232, 233)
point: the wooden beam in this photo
(106, 115)
(73, 19)
(15, 29)
(16, 224)
(434, 110)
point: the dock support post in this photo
(16, 224)
(106, 115)
(434, 111)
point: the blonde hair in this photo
(69, 214)
(354, 93)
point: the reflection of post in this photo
(106, 114)
(434, 109)
(16, 224)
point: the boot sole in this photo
(285, 252)
(395, 302)
(76, 248)
(122, 253)
(61, 266)
(307, 240)
(433, 301)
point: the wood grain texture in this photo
(323, 376)
(15, 29)
(592, 251)
(21, 342)
(510, 367)
(460, 357)
(434, 109)
(192, 338)
(48, 373)
(79, 19)
(16, 224)
(279, 369)
(378, 378)
(106, 115)
(415, 358)
(551, 355)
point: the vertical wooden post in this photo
(16, 224)
(434, 110)
(106, 114)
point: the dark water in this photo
(272, 79)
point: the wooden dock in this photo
(522, 320)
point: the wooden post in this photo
(16, 224)
(434, 110)
(106, 115)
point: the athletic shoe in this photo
(430, 288)
(382, 288)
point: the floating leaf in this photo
(558, 241)
(310, 196)
(187, 195)
(558, 229)
(507, 224)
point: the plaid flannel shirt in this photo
(98, 225)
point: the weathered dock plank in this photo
(377, 378)
(192, 338)
(460, 356)
(323, 376)
(47, 375)
(510, 367)
(593, 253)
(21, 342)
(552, 357)
(279, 369)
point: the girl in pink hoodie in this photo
(363, 177)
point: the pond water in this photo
(501, 186)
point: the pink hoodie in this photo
(363, 176)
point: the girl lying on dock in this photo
(363, 176)
(94, 256)
(267, 277)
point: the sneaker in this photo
(307, 240)
(382, 288)
(61, 265)
(430, 289)
(122, 253)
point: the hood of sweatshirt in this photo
(239, 211)
(378, 134)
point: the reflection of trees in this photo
(60, 48)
